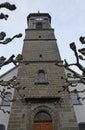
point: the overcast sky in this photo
(68, 20)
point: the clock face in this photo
(39, 19)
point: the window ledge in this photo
(41, 83)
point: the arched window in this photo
(81, 126)
(2, 127)
(42, 116)
(6, 99)
(41, 76)
(39, 25)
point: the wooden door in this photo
(43, 126)
(42, 121)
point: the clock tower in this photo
(39, 106)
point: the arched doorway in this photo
(42, 121)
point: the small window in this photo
(40, 57)
(81, 126)
(6, 99)
(41, 76)
(2, 127)
(39, 25)
(74, 97)
(39, 36)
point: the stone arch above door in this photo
(42, 116)
(42, 108)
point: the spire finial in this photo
(38, 11)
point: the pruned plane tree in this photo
(80, 57)
(12, 83)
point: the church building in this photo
(39, 106)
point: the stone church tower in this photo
(39, 106)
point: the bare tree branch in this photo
(11, 59)
(2, 35)
(82, 51)
(3, 16)
(4, 111)
(82, 40)
(7, 40)
(7, 5)
(10, 83)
